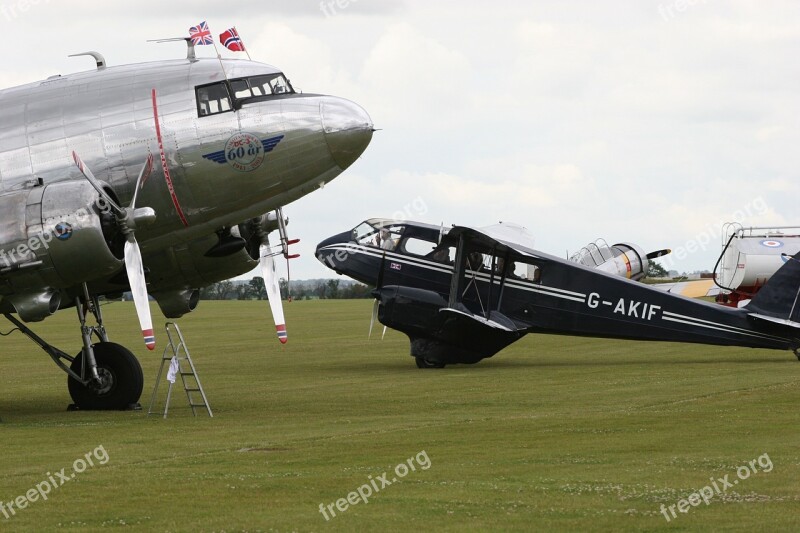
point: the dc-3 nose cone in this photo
(348, 130)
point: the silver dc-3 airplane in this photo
(462, 294)
(158, 178)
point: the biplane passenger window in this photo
(443, 254)
(416, 246)
(213, 99)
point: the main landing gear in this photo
(425, 363)
(104, 375)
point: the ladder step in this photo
(193, 390)
(198, 405)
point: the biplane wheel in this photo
(424, 363)
(121, 375)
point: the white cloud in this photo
(576, 119)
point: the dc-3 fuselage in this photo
(229, 157)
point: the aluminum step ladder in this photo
(191, 381)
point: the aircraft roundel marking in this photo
(63, 231)
(772, 244)
(245, 152)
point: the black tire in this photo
(122, 375)
(424, 363)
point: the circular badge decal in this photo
(63, 231)
(772, 244)
(244, 152)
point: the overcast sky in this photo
(647, 121)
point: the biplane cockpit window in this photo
(385, 235)
(213, 99)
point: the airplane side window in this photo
(443, 254)
(416, 246)
(241, 89)
(213, 99)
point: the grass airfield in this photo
(554, 433)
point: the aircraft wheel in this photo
(424, 363)
(121, 375)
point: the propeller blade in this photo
(374, 316)
(143, 175)
(270, 275)
(659, 253)
(87, 173)
(133, 265)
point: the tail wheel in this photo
(121, 378)
(425, 363)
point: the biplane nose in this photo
(348, 130)
(334, 251)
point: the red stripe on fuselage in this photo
(165, 166)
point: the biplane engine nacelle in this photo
(55, 237)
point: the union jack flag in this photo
(200, 34)
(232, 41)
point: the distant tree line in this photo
(254, 289)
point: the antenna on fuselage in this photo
(190, 54)
(98, 57)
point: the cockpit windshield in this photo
(216, 98)
(266, 85)
(384, 234)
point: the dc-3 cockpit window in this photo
(266, 85)
(215, 98)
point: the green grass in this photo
(554, 433)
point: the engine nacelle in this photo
(629, 261)
(35, 307)
(624, 259)
(175, 304)
(57, 236)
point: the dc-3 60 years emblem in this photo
(244, 151)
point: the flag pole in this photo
(246, 51)
(224, 73)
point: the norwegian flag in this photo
(200, 34)
(232, 41)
